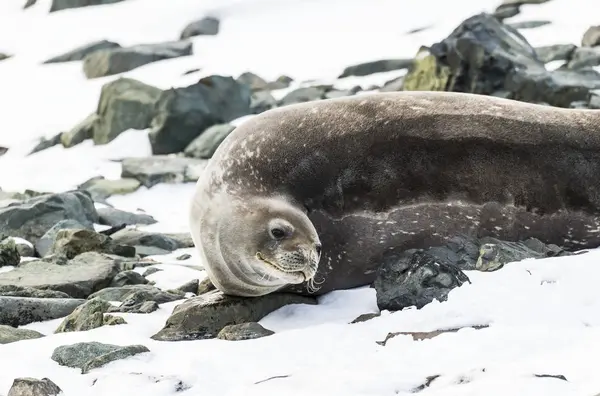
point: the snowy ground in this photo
(544, 316)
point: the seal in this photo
(310, 197)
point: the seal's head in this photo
(255, 246)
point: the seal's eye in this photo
(277, 233)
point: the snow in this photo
(543, 315)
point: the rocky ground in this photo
(73, 257)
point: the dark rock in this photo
(243, 331)
(73, 242)
(108, 62)
(9, 254)
(378, 66)
(58, 5)
(205, 286)
(125, 278)
(138, 301)
(82, 131)
(150, 271)
(140, 239)
(151, 171)
(101, 188)
(528, 24)
(281, 82)
(262, 101)
(45, 143)
(510, 8)
(397, 84)
(110, 320)
(208, 26)
(205, 145)
(145, 251)
(27, 386)
(584, 57)
(137, 293)
(80, 277)
(591, 37)
(189, 287)
(205, 316)
(183, 113)
(32, 218)
(414, 278)
(115, 217)
(184, 256)
(9, 334)
(556, 52)
(22, 291)
(306, 94)
(29, 3)
(3, 150)
(124, 104)
(255, 82)
(81, 52)
(4, 56)
(44, 245)
(87, 316)
(365, 317)
(119, 354)
(20, 311)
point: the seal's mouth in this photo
(270, 264)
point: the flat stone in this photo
(20, 311)
(9, 334)
(26, 386)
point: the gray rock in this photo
(100, 188)
(334, 93)
(281, 82)
(205, 145)
(397, 84)
(115, 217)
(32, 218)
(9, 334)
(20, 311)
(168, 242)
(243, 331)
(27, 386)
(254, 81)
(556, 52)
(150, 271)
(414, 278)
(110, 320)
(9, 254)
(510, 8)
(25, 248)
(208, 26)
(183, 113)
(87, 316)
(365, 317)
(130, 277)
(529, 24)
(124, 104)
(494, 253)
(184, 256)
(79, 53)
(378, 66)
(44, 245)
(80, 277)
(108, 62)
(22, 291)
(262, 101)
(145, 251)
(306, 94)
(4, 56)
(73, 242)
(151, 171)
(82, 131)
(584, 57)
(591, 37)
(138, 301)
(119, 354)
(205, 286)
(189, 287)
(58, 5)
(205, 316)
(594, 99)
(29, 3)
(78, 354)
(46, 143)
(139, 293)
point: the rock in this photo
(9, 254)
(110, 320)
(184, 256)
(29, 3)
(25, 248)
(139, 293)
(591, 37)
(262, 101)
(150, 271)
(300, 95)
(189, 287)
(510, 8)
(151, 171)
(125, 278)
(493, 253)
(205, 286)
(207, 143)
(528, 24)
(183, 113)
(9, 334)
(208, 26)
(101, 188)
(3, 150)
(194, 171)
(378, 66)
(146, 301)
(124, 104)
(73, 242)
(397, 84)
(20, 311)
(420, 335)
(32, 218)
(205, 316)
(281, 82)
(139, 238)
(45, 243)
(115, 217)
(365, 317)
(90, 355)
(556, 52)
(108, 62)
(119, 354)
(58, 5)
(414, 278)
(80, 53)
(27, 386)
(87, 316)
(255, 82)
(4, 56)
(21, 291)
(243, 331)
(82, 131)
(584, 57)
(45, 143)
(80, 277)
(594, 99)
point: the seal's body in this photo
(371, 174)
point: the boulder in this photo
(306, 94)
(591, 37)
(80, 132)
(20, 311)
(115, 217)
(44, 245)
(243, 331)
(9, 253)
(9, 334)
(90, 355)
(73, 242)
(184, 113)
(208, 26)
(555, 52)
(85, 317)
(150, 171)
(26, 386)
(81, 52)
(205, 145)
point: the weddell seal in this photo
(310, 197)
